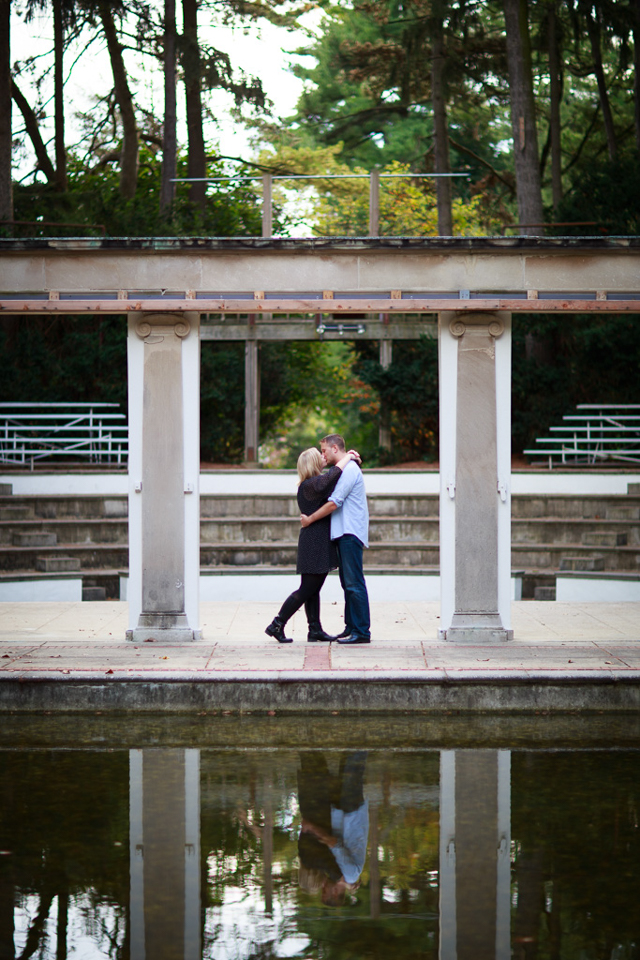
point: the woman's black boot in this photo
(276, 629)
(317, 633)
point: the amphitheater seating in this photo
(90, 432)
(597, 433)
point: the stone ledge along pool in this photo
(215, 835)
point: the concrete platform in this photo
(566, 657)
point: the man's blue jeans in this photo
(356, 599)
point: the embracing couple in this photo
(335, 531)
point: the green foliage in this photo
(559, 361)
(340, 207)
(93, 197)
(408, 389)
(324, 396)
(222, 402)
(64, 359)
(607, 193)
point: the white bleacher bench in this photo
(599, 432)
(91, 432)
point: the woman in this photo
(316, 553)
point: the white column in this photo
(164, 471)
(475, 475)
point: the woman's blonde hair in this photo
(309, 464)
(310, 879)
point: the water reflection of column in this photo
(136, 863)
(267, 846)
(475, 834)
(164, 814)
(192, 855)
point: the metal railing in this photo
(91, 432)
(597, 433)
(268, 179)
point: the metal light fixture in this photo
(340, 328)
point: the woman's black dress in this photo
(316, 552)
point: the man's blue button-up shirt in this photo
(352, 515)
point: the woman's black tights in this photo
(308, 593)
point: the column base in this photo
(476, 628)
(163, 627)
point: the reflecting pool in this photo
(159, 846)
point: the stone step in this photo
(95, 556)
(633, 488)
(286, 505)
(6, 489)
(58, 506)
(94, 593)
(97, 506)
(279, 554)
(623, 513)
(16, 512)
(544, 593)
(35, 538)
(571, 530)
(69, 530)
(582, 563)
(547, 556)
(57, 564)
(604, 539)
(249, 529)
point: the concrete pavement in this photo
(72, 656)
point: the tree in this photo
(555, 97)
(192, 69)
(523, 118)
(413, 83)
(129, 155)
(169, 133)
(33, 129)
(6, 141)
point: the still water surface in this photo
(186, 852)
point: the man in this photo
(347, 506)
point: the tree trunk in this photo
(129, 156)
(441, 133)
(58, 95)
(169, 141)
(594, 39)
(523, 120)
(636, 68)
(6, 188)
(555, 98)
(33, 130)
(197, 165)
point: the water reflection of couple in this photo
(335, 529)
(335, 825)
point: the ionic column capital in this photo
(154, 327)
(491, 322)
